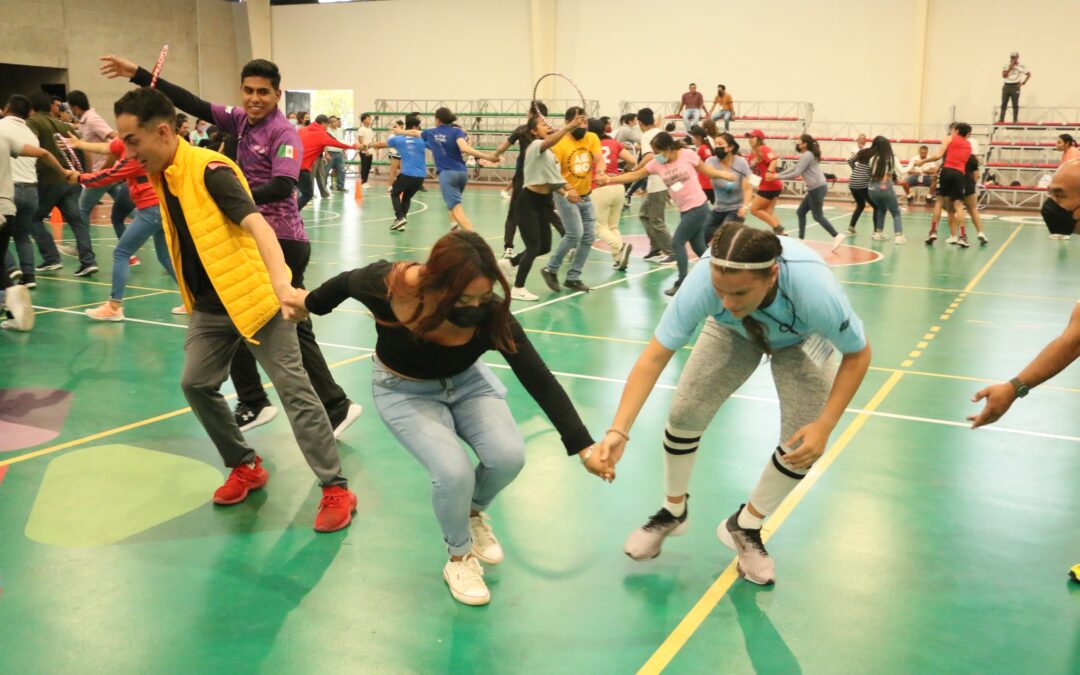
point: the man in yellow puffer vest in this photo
(234, 282)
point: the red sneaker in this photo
(134, 261)
(336, 509)
(240, 482)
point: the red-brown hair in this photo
(455, 261)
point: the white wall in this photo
(463, 49)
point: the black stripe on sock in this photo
(672, 451)
(780, 449)
(784, 470)
(677, 439)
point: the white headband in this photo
(732, 265)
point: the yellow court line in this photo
(700, 611)
(141, 423)
(99, 302)
(690, 623)
(1020, 296)
(41, 277)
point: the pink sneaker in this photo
(105, 313)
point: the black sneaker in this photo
(398, 225)
(653, 255)
(551, 279)
(624, 257)
(674, 289)
(645, 542)
(15, 274)
(755, 564)
(577, 285)
(86, 270)
(28, 281)
(249, 418)
(930, 238)
(49, 266)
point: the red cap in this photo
(757, 133)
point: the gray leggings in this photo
(722, 360)
(813, 202)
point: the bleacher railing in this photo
(1023, 155)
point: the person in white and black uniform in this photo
(1015, 76)
(434, 321)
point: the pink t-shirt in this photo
(680, 177)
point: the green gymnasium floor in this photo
(921, 546)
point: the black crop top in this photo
(405, 352)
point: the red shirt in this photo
(957, 153)
(142, 192)
(760, 167)
(704, 152)
(610, 149)
(315, 138)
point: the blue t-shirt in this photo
(443, 143)
(810, 302)
(411, 150)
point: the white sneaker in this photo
(466, 581)
(952, 240)
(983, 239)
(880, 236)
(180, 310)
(68, 250)
(351, 415)
(1059, 237)
(18, 303)
(838, 241)
(484, 544)
(523, 294)
(900, 239)
(507, 268)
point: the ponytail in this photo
(739, 243)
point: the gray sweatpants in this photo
(652, 217)
(209, 346)
(721, 361)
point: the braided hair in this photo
(736, 242)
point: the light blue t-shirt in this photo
(411, 150)
(810, 302)
(442, 140)
(728, 194)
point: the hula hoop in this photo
(68, 153)
(157, 67)
(536, 89)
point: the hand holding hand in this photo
(612, 446)
(999, 398)
(595, 462)
(71, 176)
(293, 308)
(115, 66)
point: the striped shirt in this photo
(860, 175)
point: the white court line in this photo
(364, 221)
(594, 288)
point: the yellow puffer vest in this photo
(227, 252)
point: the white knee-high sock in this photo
(680, 450)
(777, 480)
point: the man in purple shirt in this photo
(269, 153)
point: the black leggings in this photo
(510, 226)
(535, 216)
(402, 191)
(862, 196)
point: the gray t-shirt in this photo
(542, 168)
(728, 194)
(9, 149)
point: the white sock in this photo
(250, 465)
(749, 521)
(676, 509)
(680, 451)
(777, 480)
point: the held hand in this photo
(74, 141)
(293, 309)
(811, 441)
(741, 212)
(612, 446)
(71, 176)
(602, 179)
(114, 66)
(596, 464)
(999, 398)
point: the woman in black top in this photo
(434, 321)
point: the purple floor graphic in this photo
(30, 417)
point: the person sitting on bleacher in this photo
(921, 175)
(691, 107)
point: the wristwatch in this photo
(1021, 388)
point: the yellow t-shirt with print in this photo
(576, 160)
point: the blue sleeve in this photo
(695, 301)
(426, 135)
(830, 315)
(395, 142)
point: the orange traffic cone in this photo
(57, 222)
(359, 191)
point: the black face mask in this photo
(1058, 219)
(469, 317)
(578, 133)
(720, 153)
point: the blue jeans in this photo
(452, 184)
(91, 197)
(429, 417)
(691, 230)
(726, 115)
(66, 198)
(692, 115)
(883, 197)
(814, 201)
(337, 168)
(26, 202)
(147, 224)
(579, 220)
